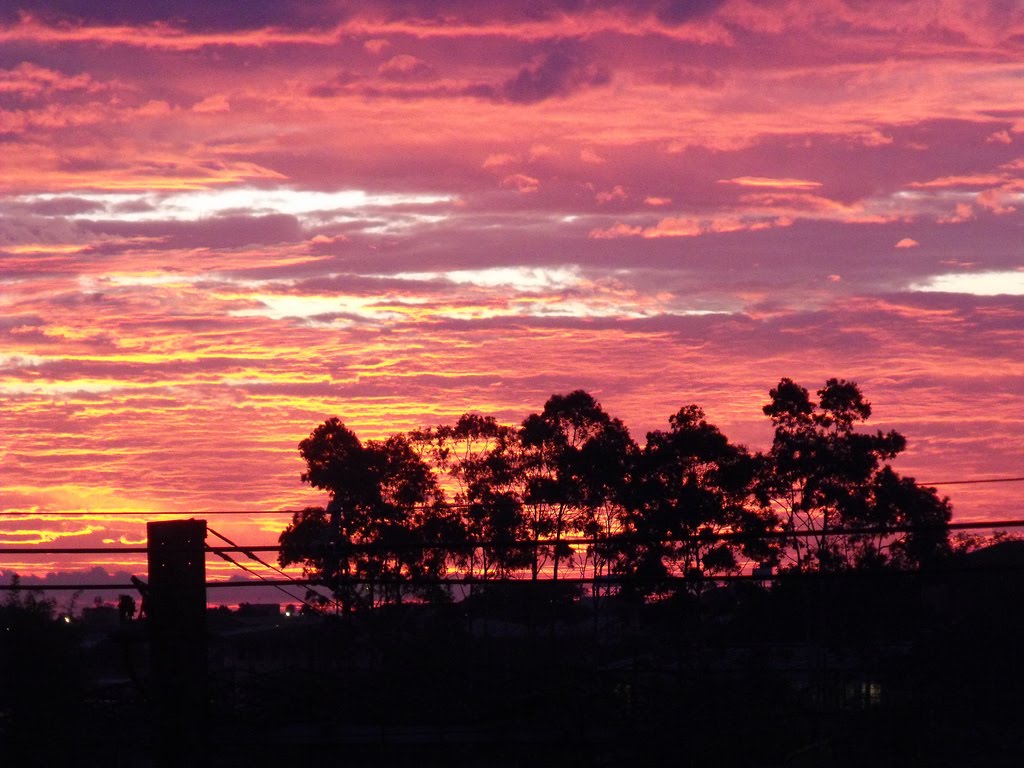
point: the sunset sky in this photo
(223, 222)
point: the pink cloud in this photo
(405, 67)
(376, 46)
(997, 201)
(615, 193)
(961, 213)
(521, 182)
(154, 108)
(30, 80)
(217, 102)
(616, 231)
(155, 36)
(498, 160)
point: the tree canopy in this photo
(383, 520)
(569, 490)
(825, 481)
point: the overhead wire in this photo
(977, 481)
(270, 582)
(250, 550)
(250, 553)
(452, 505)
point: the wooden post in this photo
(176, 619)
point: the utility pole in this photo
(176, 619)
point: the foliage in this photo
(570, 488)
(691, 487)
(577, 461)
(381, 523)
(823, 478)
(482, 460)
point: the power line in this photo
(978, 481)
(270, 582)
(248, 552)
(503, 544)
(453, 505)
(13, 513)
(63, 587)
(32, 550)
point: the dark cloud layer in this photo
(211, 15)
(215, 232)
(553, 74)
(480, 11)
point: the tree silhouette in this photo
(576, 459)
(823, 477)
(691, 486)
(483, 461)
(900, 502)
(490, 501)
(384, 500)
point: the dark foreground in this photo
(882, 670)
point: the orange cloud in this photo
(617, 230)
(762, 181)
(683, 226)
(44, 248)
(945, 182)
